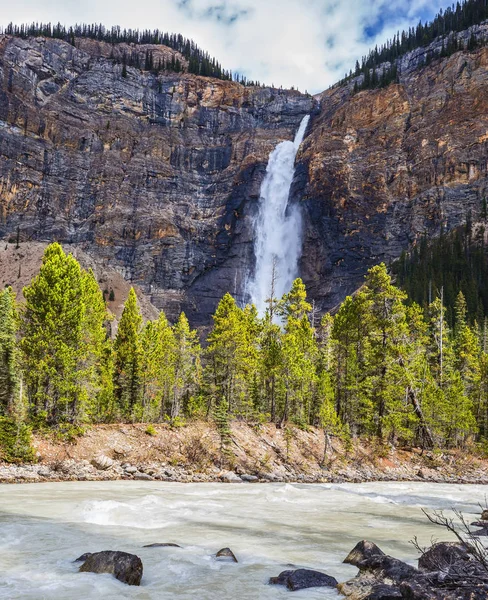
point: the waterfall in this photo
(278, 242)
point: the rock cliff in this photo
(383, 167)
(156, 176)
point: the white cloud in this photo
(308, 44)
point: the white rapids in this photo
(278, 235)
(268, 526)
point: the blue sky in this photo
(308, 44)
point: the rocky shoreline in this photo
(98, 470)
(190, 454)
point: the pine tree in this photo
(9, 367)
(128, 360)
(52, 344)
(187, 368)
(232, 354)
(159, 348)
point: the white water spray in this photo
(278, 240)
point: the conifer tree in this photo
(52, 344)
(187, 369)
(9, 367)
(128, 359)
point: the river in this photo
(268, 526)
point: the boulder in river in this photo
(162, 545)
(83, 557)
(361, 551)
(301, 579)
(226, 554)
(123, 566)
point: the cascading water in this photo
(278, 240)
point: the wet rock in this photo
(83, 557)
(301, 579)
(249, 478)
(162, 545)
(384, 567)
(226, 554)
(484, 515)
(281, 579)
(102, 462)
(361, 551)
(123, 566)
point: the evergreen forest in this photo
(382, 367)
(199, 62)
(380, 67)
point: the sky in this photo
(308, 44)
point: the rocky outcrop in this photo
(384, 167)
(155, 175)
(447, 571)
(125, 567)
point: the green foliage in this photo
(15, 441)
(53, 339)
(128, 360)
(454, 262)
(9, 376)
(382, 367)
(150, 430)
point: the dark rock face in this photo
(157, 176)
(123, 566)
(382, 168)
(301, 579)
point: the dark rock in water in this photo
(249, 478)
(482, 524)
(361, 551)
(484, 515)
(302, 579)
(226, 554)
(480, 533)
(281, 579)
(163, 545)
(83, 557)
(123, 566)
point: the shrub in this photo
(15, 441)
(150, 430)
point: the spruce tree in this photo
(9, 367)
(52, 344)
(187, 368)
(128, 360)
